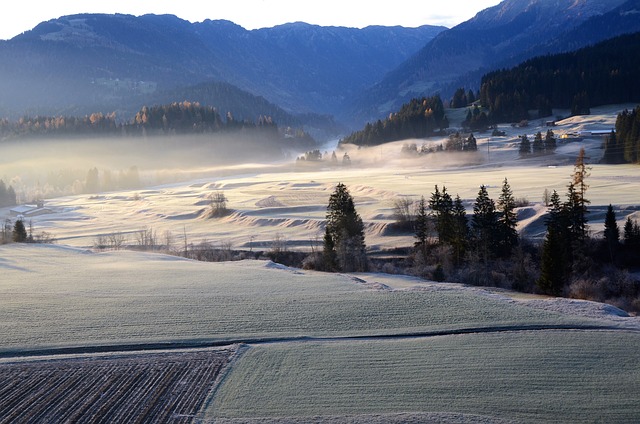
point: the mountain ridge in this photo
(499, 36)
(300, 67)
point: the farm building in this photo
(29, 211)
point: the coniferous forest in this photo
(171, 119)
(419, 118)
(623, 145)
(605, 73)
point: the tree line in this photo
(7, 195)
(485, 248)
(623, 145)
(605, 73)
(175, 118)
(539, 146)
(419, 118)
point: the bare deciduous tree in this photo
(218, 204)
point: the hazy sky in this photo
(23, 16)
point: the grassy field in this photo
(541, 377)
(119, 298)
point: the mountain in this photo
(497, 37)
(95, 62)
(600, 74)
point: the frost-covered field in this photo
(52, 296)
(289, 202)
(519, 377)
(480, 352)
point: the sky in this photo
(252, 14)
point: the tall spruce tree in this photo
(19, 232)
(537, 147)
(550, 142)
(441, 205)
(611, 232)
(421, 227)
(631, 234)
(553, 264)
(613, 149)
(484, 224)
(460, 231)
(346, 231)
(507, 221)
(525, 146)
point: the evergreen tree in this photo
(580, 104)
(507, 221)
(537, 147)
(346, 231)
(525, 146)
(550, 142)
(631, 234)
(472, 144)
(442, 206)
(460, 234)
(611, 232)
(329, 258)
(613, 149)
(553, 264)
(484, 223)
(421, 227)
(471, 97)
(19, 232)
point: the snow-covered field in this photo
(329, 344)
(518, 377)
(55, 297)
(345, 347)
(288, 202)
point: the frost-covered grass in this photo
(538, 377)
(56, 296)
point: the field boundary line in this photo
(203, 344)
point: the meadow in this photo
(516, 376)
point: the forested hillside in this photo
(623, 145)
(170, 119)
(416, 119)
(606, 73)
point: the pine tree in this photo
(460, 230)
(611, 232)
(507, 221)
(537, 147)
(613, 149)
(329, 259)
(525, 146)
(421, 227)
(472, 144)
(553, 264)
(442, 206)
(631, 234)
(484, 223)
(346, 231)
(550, 144)
(19, 232)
